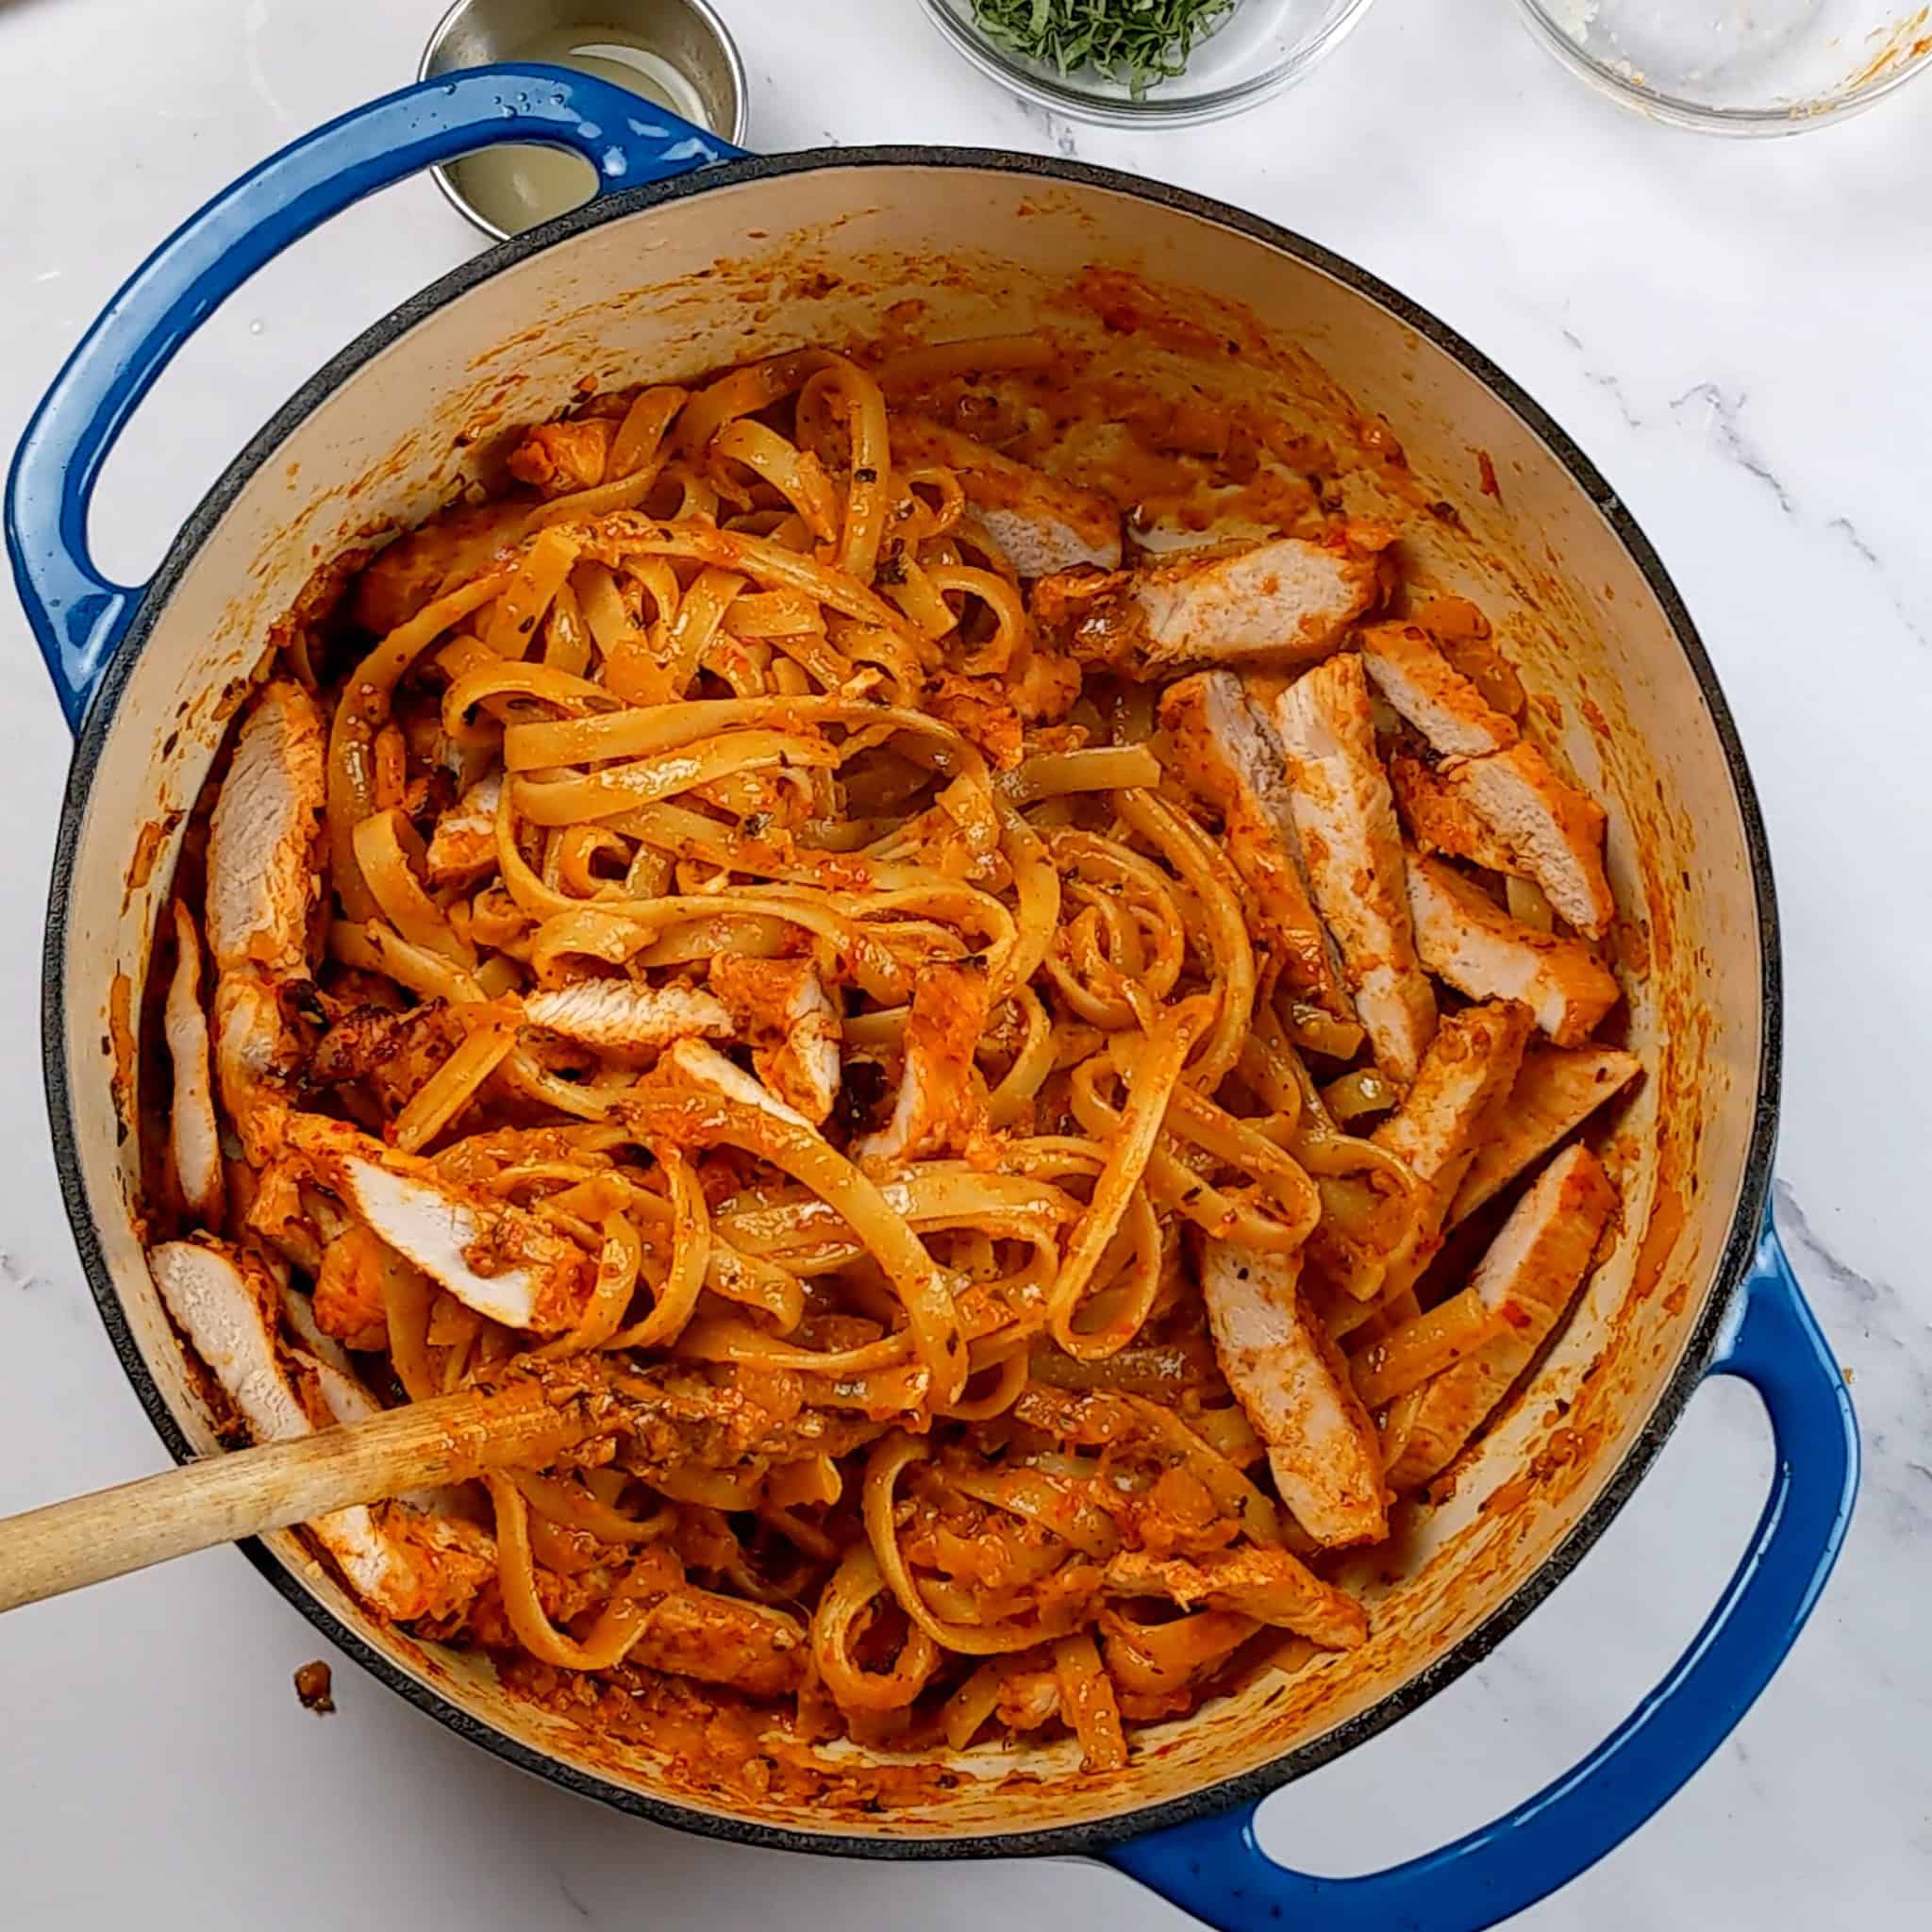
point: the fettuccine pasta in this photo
(970, 1038)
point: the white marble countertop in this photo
(1734, 332)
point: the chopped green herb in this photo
(1138, 42)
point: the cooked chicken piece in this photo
(1439, 821)
(452, 546)
(493, 1256)
(1464, 936)
(405, 1566)
(940, 1106)
(1450, 1111)
(349, 1301)
(1554, 832)
(722, 1639)
(193, 1139)
(296, 1221)
(1431, 693)
(705, 1067)
(462, 849)
(1046, 688)
(1346, 818)
(1028, 1699)
(982, 713)
(226, 1306)
(263, 859)
(395, 1051)
(782, 1007)
(1527, 1278)
(615, 1013)
(558, 457)
(1293, 1385)
(1558, 830)
(1042, 523)
(298, 1312)
(252, 1059)
(263, 884)
(1554, 1092)
(1229, 755)
(435, 1562)
(1463, 635)
(1286, 601)
(1269, 1584)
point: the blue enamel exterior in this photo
(1212, 1866)
(1214, 1869)
(77, 615)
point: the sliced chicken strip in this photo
(1286, 601)
(1439, 820)
(557, 458)
(1345, 814)
(1028, 1699)
(1268, 1585)
(1042, 523)
(262, 846)
(1558, 830)
(782, 1007)
(1229, 755)
(705, 1066)
(1554, 1093)
(1555, 831)
(299, 1314)
(1449, 1111)
(942, 1101)
(349, 1303)
(296, 1223)
(720, 1640)
(618, 1014)
(450, 547)
(1294, 1386)
(1464, 936)
(493, 1256)
(1528, 1278)
(251, 1056)
(193, 1138)
(462, 849)
(1431, 693)
(227, 1309)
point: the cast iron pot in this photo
(691, 255)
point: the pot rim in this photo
(1093, 1836)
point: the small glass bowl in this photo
(1258, 49)
(1738, 66)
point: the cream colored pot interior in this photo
(1488, 510)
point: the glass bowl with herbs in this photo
(1135, 62)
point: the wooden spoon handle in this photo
(221, 1498)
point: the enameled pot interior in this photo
(1493, 504)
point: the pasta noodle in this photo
(737, 947)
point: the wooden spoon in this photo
(220, 1499)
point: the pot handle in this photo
(77, 615)
(1215, 1869)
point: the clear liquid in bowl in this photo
(515, 188)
